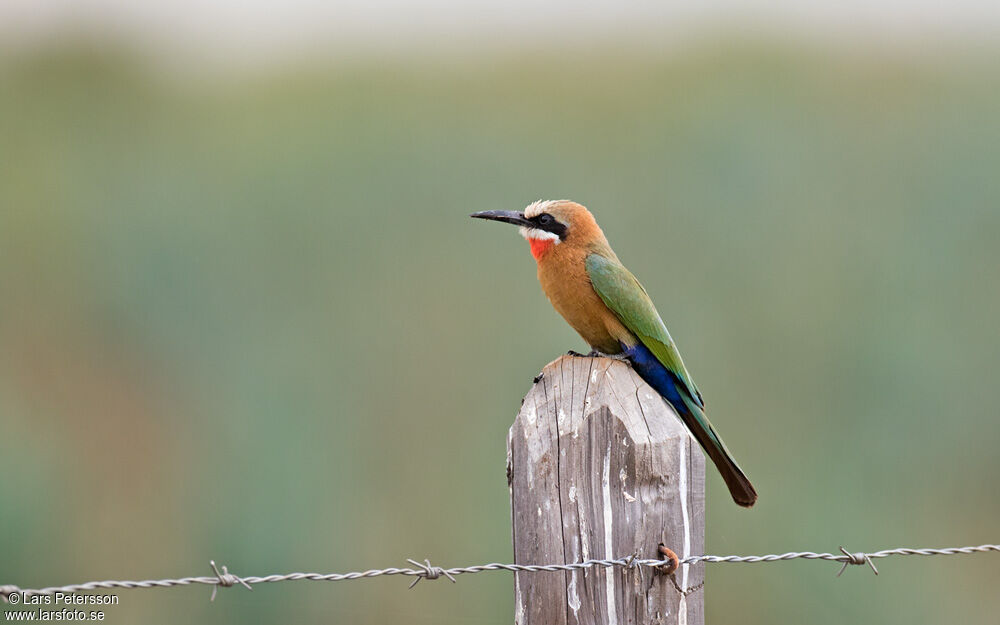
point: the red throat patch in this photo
(540, 246)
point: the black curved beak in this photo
(510, 217)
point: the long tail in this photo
(740, 487)
(657, 376)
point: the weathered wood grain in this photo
(601, 467)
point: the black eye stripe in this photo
(549, 223)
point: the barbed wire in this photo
(426, 570)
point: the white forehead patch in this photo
(535, 233)
(541, 206)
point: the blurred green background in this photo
(247, 318)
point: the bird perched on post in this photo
(606, 305)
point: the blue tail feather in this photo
(656, 375)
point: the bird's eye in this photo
(545, 219)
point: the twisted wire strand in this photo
(849, 558)
(426, 570)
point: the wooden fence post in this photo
(599, 466)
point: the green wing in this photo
(622, 293)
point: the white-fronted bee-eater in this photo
(606, 305)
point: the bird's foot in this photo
(622, 356)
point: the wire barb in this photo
(225, 579)
(630, 561)
(858, 558)
(427, 570)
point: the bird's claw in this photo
(596, 354)
(620, 356)
(538, 378)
